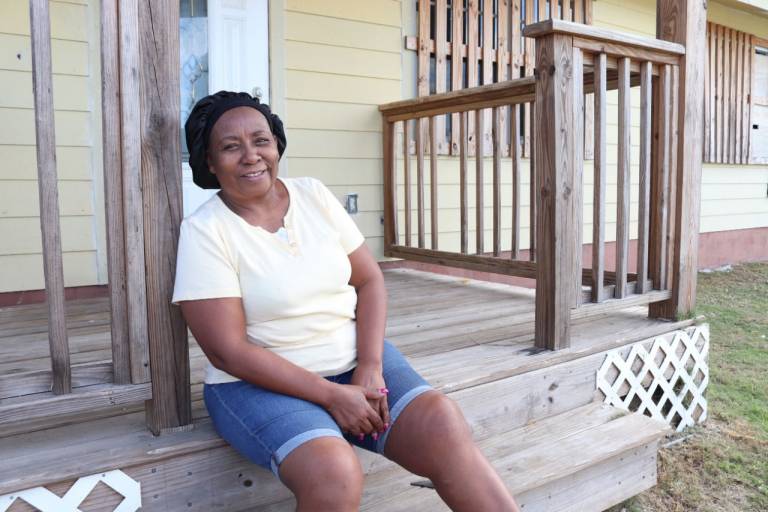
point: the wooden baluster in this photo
(457, 71)
(433, 181)
(464, 186)
(407, 182)
(660, 181)
(113, 192)
(600, 168)
(496, 137)
(566, 10)
(487, 67)
(578, 171)
(515, 153)
(441, 51)
(578, 10)
(472, 61)
(530, 9)
(47, 185)
(534, 196)
(479, 183)
(502, 68)
(422, 81)
(390, 185)
(622, 199)
(420, 180)
(646, 77)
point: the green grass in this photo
(724, 465)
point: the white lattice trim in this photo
(46, 501)
(667, 381)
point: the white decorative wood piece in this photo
(667, 382)
(46, 501)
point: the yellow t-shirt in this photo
(295, 289)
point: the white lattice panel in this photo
(666, 381)
(46, 501)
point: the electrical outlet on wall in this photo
(350, 203)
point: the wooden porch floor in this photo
(445, 325)
(440, 321)
(470, 339)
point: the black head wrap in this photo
(200, 123)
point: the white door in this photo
(224, 46)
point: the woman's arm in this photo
(219, 328)
(371, 321)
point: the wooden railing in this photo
(143, 211)
(572, 60)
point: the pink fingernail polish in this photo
(375, 436)
(386, 426)
(361, 436)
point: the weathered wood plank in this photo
(161, 190)
(496, 138)
(40, 381)
(47, 183)
(555, 163)
(529, 62)
(644, 199)
(515, 150)
(719, 92)
(479, 182)
(407, 181)
(32, 412)
(472, 62)
(600, 180)
(727, 77)
(535, 192)
(623, 180)
(133, 211)
(502, 67)
(555, 26)
(457, 66)
(390, 184)
(463, 182)
(578, 174)
(433, 184)
(422, 78)
(487, 96)
(441, 66)
(420, 181)
(113, 192)
(685, 23)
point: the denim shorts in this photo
(265, 427)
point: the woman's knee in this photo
(324, 470)
(442, 418)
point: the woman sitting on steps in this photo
(288, 304)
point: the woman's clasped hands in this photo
(360, 408)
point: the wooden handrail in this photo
(619, 39)
(518, 90)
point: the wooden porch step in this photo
(587, 458)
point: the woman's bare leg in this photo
(325, 476)
(432, 439)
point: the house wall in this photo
(342, 60)
(733, 197)
(75, 63)
(338, 62)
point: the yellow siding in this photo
(342, 60)
(75, 64)
(732, 196)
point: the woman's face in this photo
(242, 153)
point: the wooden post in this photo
(53, 270)
(684, 22)
(113, 191)
(158, 22)
(133, 216)
(555, 170)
